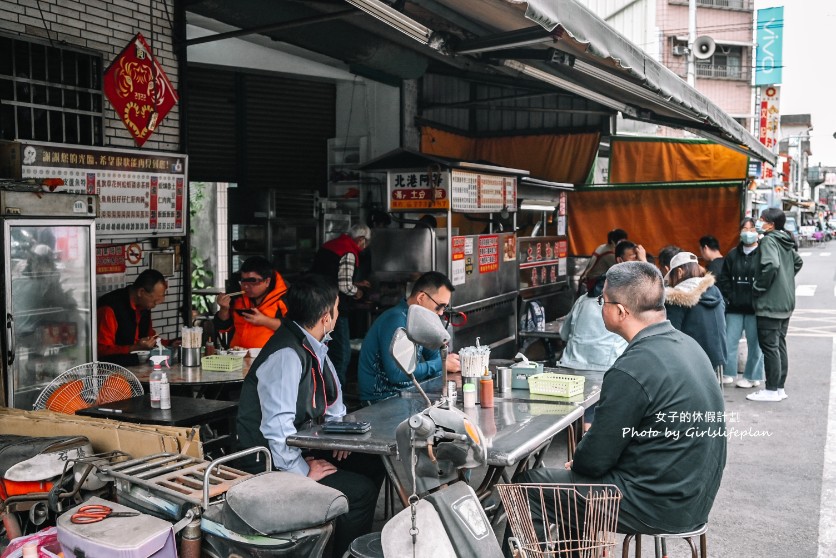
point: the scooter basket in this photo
(561, 520)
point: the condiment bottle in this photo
(155, 378)
(210, 347)
(486, 391)
(469, 396)
(165, 392)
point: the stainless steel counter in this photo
(514, 429)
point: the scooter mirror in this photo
(403, 351)
(425, 328)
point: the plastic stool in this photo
(661, 543)
(367, 546)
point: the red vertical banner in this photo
(152, 202)
(178, 204)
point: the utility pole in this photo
(692, 38)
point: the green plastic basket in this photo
(561, 385)
(222, 363)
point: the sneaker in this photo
(764, 395)
(746, 384)
(728, 380)
(782, 393)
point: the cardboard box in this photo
(137, 440)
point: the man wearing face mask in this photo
(735, 282)
(292, 384)
(774, 291)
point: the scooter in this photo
(220, 511)
(435, 445)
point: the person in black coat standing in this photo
(735, 282)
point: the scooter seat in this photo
(27, 458)
(279, 502)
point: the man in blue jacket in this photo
(378, 374)
(774, 291)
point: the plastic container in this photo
(486, 392)
(222, 363)
(143, 536)
(469, 396)
(165, 392)
(561, 385)
(154, 387)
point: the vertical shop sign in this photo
(457, 264)
(769, 119)
(139, 89)
(488, 253)
(770, 39)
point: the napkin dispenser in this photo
(520, 371)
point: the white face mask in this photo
(327, 337)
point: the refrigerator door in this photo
(49, 303)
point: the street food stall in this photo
(482, 267)
(545, 294)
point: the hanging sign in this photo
(416, 190)
(110, 259)
(139, 89)
(475, 192)
(769, 121)
(140, 192)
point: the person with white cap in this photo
(695, 306)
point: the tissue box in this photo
(521, 371)
(142, 536)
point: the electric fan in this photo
(93, 383)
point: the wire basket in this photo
(222, 363)
(561, 520)
(562, 385)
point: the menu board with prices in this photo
(140, 192)
(475, 192)
(415, 190)
(542, 261)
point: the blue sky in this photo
(809, 75)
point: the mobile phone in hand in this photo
(245, 311)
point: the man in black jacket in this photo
(659, 432)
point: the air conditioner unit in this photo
(680, 50)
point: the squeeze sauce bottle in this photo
(486, 390)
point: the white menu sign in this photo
(140, 192)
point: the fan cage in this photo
(86, 385)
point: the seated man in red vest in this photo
(257, 313)
(124, 318)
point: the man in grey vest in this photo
(291, 385)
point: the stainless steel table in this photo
(516, 431)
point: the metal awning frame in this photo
(606, 75)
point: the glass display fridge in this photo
(48, 292)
